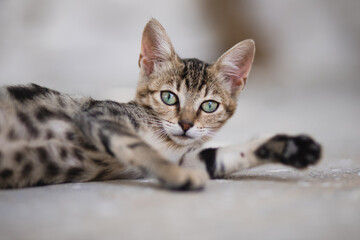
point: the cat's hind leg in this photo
(296, 151)
(36, 163)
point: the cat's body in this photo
(47, 137)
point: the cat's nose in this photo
(185, 125)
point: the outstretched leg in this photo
(296, 151)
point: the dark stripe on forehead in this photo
(187, 83)
(178, 84)
(202, 82)
(194, 73)
(204, 79)
(185, 70)
(206, 90)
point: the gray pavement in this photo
(268, 202)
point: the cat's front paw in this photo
(177, 178)
(297, 151)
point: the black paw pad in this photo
(297, 151)
(262, 152)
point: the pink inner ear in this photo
(235, 65)
(235, 77)
(150, 54)
(146, 58)
(237, 73)
(156, 47)
(147, 64)
(236, 83)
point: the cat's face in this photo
(191, 98)
(190, 102)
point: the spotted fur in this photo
(47, 137)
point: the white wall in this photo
(90, 46)
(84, 46)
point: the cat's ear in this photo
(233, 67)
(156, 47)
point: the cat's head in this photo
(192, 99)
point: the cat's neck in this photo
(156, 137)
(165, 146)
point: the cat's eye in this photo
(169, 98)
(209, 106)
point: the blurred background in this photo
(305, 76)
(305, 79)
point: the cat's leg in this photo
(296, 151)
(118, 138)
(52, 161)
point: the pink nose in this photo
(185, 125)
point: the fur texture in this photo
(47, 137)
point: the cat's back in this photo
(29, 96)
(39, 141)
(32, 112)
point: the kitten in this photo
(47, 137)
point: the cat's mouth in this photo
(176, 134)
(182, 139)
(182, 136)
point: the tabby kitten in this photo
(47, 137)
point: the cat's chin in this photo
(182, 140)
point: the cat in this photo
(47, 137)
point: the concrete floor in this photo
(268, 202)
(265, 203)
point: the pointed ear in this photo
(156, 47)
(234, 66)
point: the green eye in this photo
(209, 106)
(169, 98)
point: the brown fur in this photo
(48, 137)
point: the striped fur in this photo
(47, 137)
